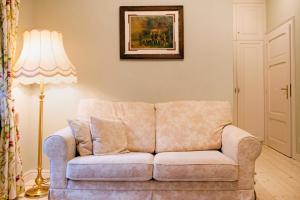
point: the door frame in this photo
(235, 85)
(290, 22)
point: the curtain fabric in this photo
(11, 177)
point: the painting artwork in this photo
(154, 32)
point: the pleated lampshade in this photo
(43, 60)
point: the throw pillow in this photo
(81, 132)
(109, 136)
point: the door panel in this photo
(250, 21)
(278, 81)
(277, 127)
(250, 81)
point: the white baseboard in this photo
(31, 174)
(297, 156)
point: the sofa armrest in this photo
(243, 148)
(60, 148)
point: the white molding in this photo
(296, 156)
(282, 23)
(235, 85)
(265, 90)
(291, 23)
(31, 174)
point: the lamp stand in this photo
(40, 189)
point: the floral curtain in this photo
(11, 177)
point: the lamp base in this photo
(37, 192)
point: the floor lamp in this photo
(43, 60)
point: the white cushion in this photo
(119, 167)
(194, 166)
(109, 136)
(138, 116)
(82, 134)
(190, 125)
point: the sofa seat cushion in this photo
(118, 167)
(194, 166)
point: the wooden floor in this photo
(277, 178)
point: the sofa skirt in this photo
(152, 190)
(68, 194)
(155, 185)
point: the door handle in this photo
(286, 89)
(236, 90)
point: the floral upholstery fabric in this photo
(239, 150)
(153, 185)
(204, 195)
(138, 116)
(82, 135)
(151, 195)
(99, 195)
(109, 136)
(244, 149)
(119, 167)
(190, 125)
(60, 148)
(194, 166)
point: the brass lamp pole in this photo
(40, 189)
(43, 60)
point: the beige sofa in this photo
(178, 150)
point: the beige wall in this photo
(279, 11)
(91, 37)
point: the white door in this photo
(250, 87)
(278, 89)
(250, 21)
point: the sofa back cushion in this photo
(190, 125)
(138, 116)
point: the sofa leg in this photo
(255, 195)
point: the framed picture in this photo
(151, 32)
